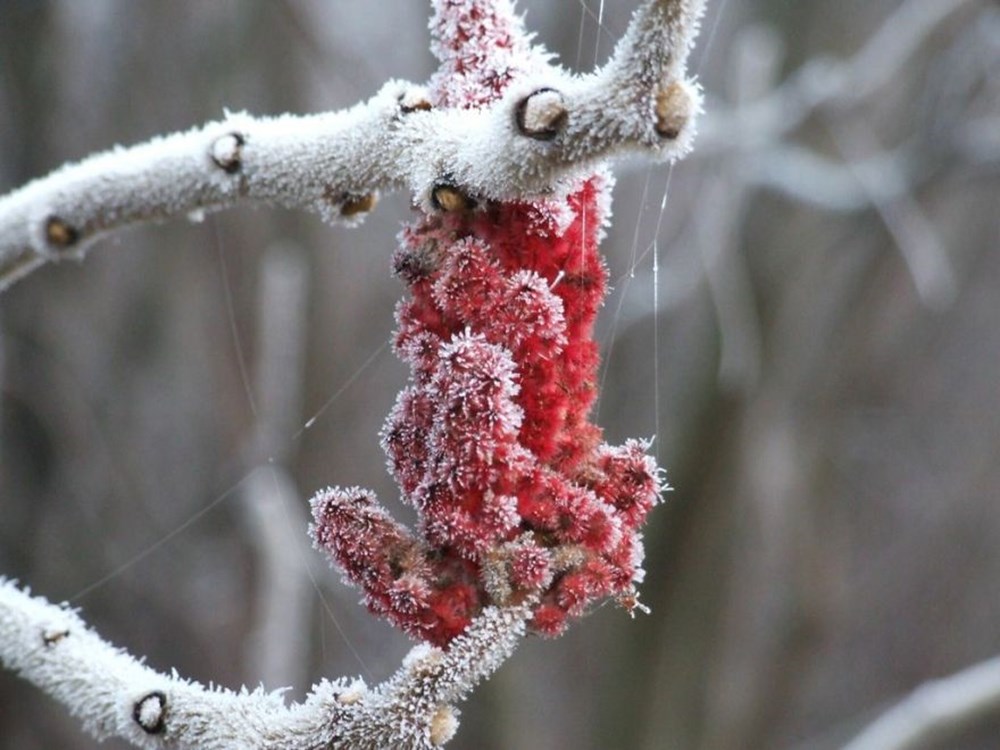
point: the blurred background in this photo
(817, 349)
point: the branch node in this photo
(51, 637)
(59, 234)
(150, 712)
(541, 114)
(352, 204)
(448, 198)
(227, 152)
(673, 110)
(444, 724)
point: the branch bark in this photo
(117, 696)
(321, 163)
(547, 128)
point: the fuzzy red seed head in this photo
(530, 567)
(491, 442)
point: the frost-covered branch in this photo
(547, 127)
(325, 163)
(415, 709)
(117, 696)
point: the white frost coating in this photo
(116, 696)
(108, 690)
(334, 163)
(226, 151)
(312, 162)
(404, 712)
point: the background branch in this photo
(276, 647)
(936, 711)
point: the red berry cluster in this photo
(490, 442)
(517, 495)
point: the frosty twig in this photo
(116, 696)
(322, 163)
(547, 126)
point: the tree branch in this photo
(117, 696)
(546, 129)
(322, 163)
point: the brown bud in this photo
(60, 234)
(357, 204)
(673, 108)
(541, 115)
(448, 198)
(227, 152)
(444, 724)
(351, 696)
(52, 637)
(414, 101)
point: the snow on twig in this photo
(117, 696)
(326, 163)
(547, 128)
